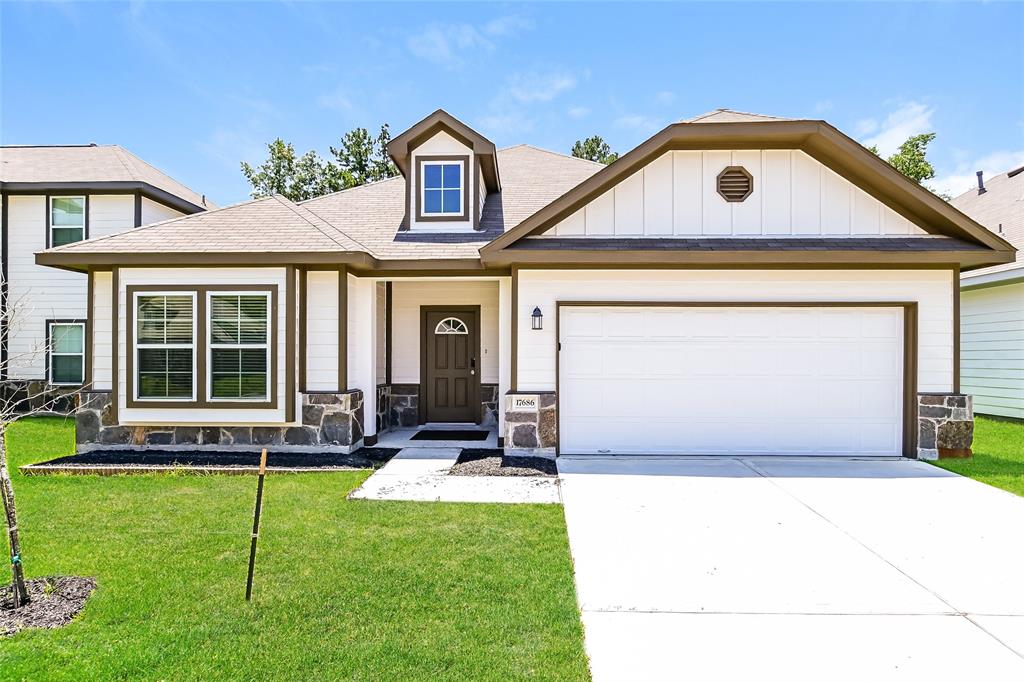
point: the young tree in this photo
(911, 159)
(296, 178)
(364, 157)
(13, 407)
(594, 149)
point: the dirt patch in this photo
(473, 462)
(364, 458)
(55, 601)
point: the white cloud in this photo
(339, 100)
(912, 118)
(505, 124)
(962, 177)
(445, 43)
(578, 112)
(639, 123)
(665, 97)
(823, 106)
(539, 87)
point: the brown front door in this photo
(450, 377)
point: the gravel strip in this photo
(54, 603)
(473, 462)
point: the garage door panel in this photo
(721, 380)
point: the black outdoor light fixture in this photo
(537, 319)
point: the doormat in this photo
(445, 434)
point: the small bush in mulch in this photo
(486, 462)
(364, 458)
(55, 601)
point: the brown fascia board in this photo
(400, 148)
(112, 186)
(824, 258)
(83, 262)
(818, 139)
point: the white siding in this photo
(382, 355)
(932, 289)
(992, 349)
(102, 357)
(39, 293)
(442, 144)
(676, 195)
(407, 297)
(154, 212)
(322, 331)
(198, 277)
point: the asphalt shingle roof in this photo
(87, 163)
(1002, 204)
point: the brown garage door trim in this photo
(910, 348)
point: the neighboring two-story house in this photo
(736, 284)
(992, 302)
(54, 195)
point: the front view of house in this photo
(737, 284)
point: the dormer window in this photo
(443, 193)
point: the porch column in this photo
(504, 347)
(362, 338)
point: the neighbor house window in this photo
(67, 220)
(239, 346)
(165, 346)
(442, 188)
(67, 353)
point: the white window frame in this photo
(53, 354)
(49, 215)
(136, 346)
(462, 189)
(210, 345)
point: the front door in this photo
(450, 380)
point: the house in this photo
(55, 195)
(992, 302)
(736, 284)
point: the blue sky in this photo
(195, 88)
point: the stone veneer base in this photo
(531, 432)
(945, 426)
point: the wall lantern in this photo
(537, 319)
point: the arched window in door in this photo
(451, 325)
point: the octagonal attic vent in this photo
(735, 183)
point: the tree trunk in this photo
(11, 520)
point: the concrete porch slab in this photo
(402, 438)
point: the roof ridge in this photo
(161, 222)
(119, 153)
(548, 151)
(294, 208)
(134, 158)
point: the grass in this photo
(344, 590)
(998, 455)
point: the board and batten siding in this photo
(408, 296)
(931, 289)
(102, 356)
(43, 293)
(676, 196)
(200, 277)
(322, 330)
(992, 349)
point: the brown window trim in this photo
(201, 346)
(466, 170)
(910, 346)
(49, 322)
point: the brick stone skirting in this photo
(332, 421)
(488, 404)
(945, 425)
(528, 431)
(404, 404)
(383, 408)
(33, 394)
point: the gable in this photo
(677, 195)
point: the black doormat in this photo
(443, 434)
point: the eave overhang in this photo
(110, 187)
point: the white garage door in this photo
(724, 380)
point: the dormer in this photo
(449, 171)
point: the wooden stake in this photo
(256, 524)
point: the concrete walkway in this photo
(420, 474)
(794, 569)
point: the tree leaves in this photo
(594, 148)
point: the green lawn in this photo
(360, 590)
(998, 455)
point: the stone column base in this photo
(531, 424)
(945, 425)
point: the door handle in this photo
(472, 366)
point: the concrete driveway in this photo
(794, 569)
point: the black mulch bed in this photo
(486, 462)
(442, 434)
(54, 603)
(364, 458)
